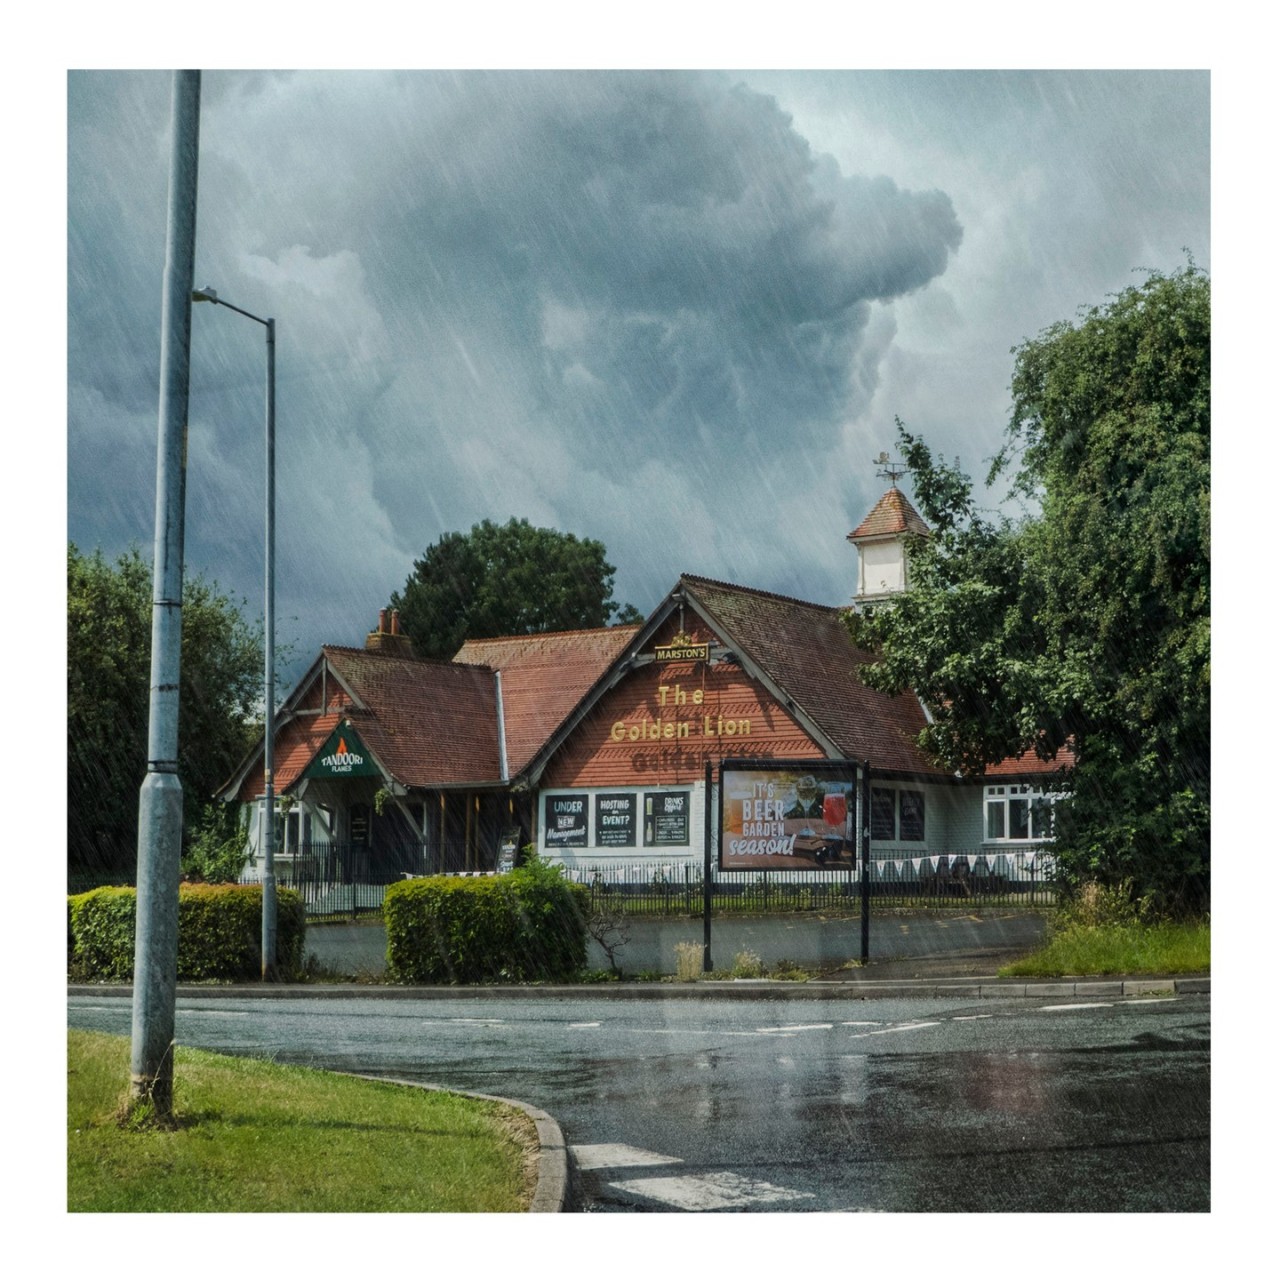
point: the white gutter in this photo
(502, 728)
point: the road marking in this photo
(698, 1193)
(583, 1024)
(764, 1031)
(1055, 1008)
(859, 1024)
(971, 1017)
(804, 1026)
(616, 1155)
(884, 1031)
(473, 1022)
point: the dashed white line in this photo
(885, 1031)
(1058, 1008)
(583, 1024)
(806, 1026)
(971, 1017)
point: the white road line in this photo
(616, 1155)
(807, 1026)
(859, 1024)
(971, 1017)
(583, 1024)
(1057, 1008)
(697, 1193)
(782, 1035)
(884, 1031)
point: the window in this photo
(1019, 812)
(897, 815)
(883, 804)
(911, 815)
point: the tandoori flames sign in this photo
(797, 815)
(343, 756)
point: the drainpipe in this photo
(502, 728)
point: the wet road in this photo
(935, 1104)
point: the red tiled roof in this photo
(1030, 765)
(806, 651)
(430, 723)
(891, 515)
(543, 678)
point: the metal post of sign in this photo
(866, 860)
(706, 878)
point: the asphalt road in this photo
(936, 1104)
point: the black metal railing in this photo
(1016, 877)
(341, 880)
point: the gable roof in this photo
(429, 723)
(543, 678)
(804, 652)
(892, 515)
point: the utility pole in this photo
(155, 959)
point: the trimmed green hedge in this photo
(526, 926)
(219, 932)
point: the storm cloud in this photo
(643, 307)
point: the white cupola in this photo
(881, 540)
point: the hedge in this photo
(219, 932)
(525, 926)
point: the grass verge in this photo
(1166, 948)
(254, 1136)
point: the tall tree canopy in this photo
(1085, 624)
(108, 702)
(502, 580)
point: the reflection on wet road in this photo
(712, 1105)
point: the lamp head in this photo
(206, 294)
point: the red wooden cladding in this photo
(663, 723)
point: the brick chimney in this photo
(389, 640)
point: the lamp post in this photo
(268, 835)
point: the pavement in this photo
(958, 956)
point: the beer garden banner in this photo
(788, 815)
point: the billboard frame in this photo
(859, 826)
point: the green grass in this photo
(254, 1136)
(1166, 948)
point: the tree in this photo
(501, 580)
(108, 697)
(1084, 624)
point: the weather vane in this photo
(889, 470)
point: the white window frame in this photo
(999, 801)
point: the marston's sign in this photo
(679, 651)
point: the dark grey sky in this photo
(674, 311)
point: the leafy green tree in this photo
(108, 696)
(1084, 624)
(501, 580)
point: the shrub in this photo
(746, 964)
(528, 925)
(219, 932)
(688, 961)
(219, 849)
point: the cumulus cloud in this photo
(642, 307)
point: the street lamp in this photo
(268, 836)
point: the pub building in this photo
(592, 746)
